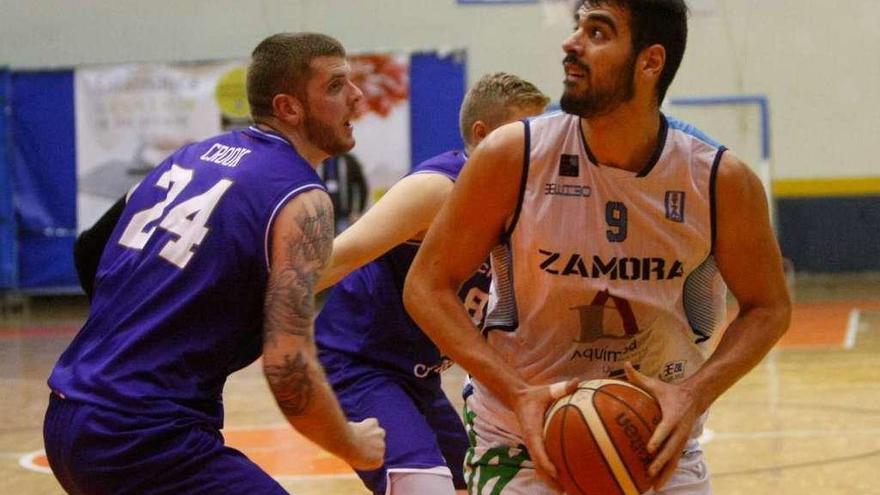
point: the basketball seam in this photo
(631, 489)
(562, 444)
(599, 446)
(636, 413)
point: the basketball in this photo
(597, 438)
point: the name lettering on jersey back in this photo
(225, 155)
(647, 268)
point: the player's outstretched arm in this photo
(749, 259)
(403, 213)
(303, 236)
(468, 226)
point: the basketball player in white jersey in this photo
(613, 230)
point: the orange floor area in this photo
(823, 324)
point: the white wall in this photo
(818, 62)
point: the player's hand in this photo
(368, 441)
(530, 408)
(680, 414)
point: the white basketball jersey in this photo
(602, 266)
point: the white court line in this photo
(852, 328)
(794, 434)
(773, 379)
(27, 461)
(707, 436)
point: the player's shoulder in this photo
(736, 182)
(732, 168)
(552, 121)
(448, 163)
(689, 133)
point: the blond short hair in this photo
(493, 98)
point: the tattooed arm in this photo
(302, 241)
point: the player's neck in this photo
(626, 138)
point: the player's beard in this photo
(325, 136)
(597, 101)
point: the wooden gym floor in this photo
(805, 421)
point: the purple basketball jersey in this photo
(364, 315)
(180, 287)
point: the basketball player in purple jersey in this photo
(379, 362)
(212, 264)
(613, 230)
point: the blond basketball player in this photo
(378, 361)
(614, 230)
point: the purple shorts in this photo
(94, 450)
(423, 431)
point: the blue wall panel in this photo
(8, 228)
(44, 176)
(437, 87)
(827, 235)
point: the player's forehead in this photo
(326, 68)
(607, 12)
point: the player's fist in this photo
(368, 442)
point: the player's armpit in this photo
(403, 213)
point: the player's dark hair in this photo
(656, 22)
(280, 64)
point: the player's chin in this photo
(345, 143)
(574, 91)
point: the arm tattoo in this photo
(290, 301)
(291, 383)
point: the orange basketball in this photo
(597, 438)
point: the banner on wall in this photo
(130, 117)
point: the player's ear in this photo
(479, 130)
(651, 61)
(288, 108)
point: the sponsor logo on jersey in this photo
(606, 354)
(593, 330)
(675, 206)
(224, 155)
(673, 370)
(626, 268)
(568, 166)
(571, 190)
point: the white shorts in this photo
(493, 466)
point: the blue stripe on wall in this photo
(44, 176)
(827, 235)
(437, 87)
(8, 228)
